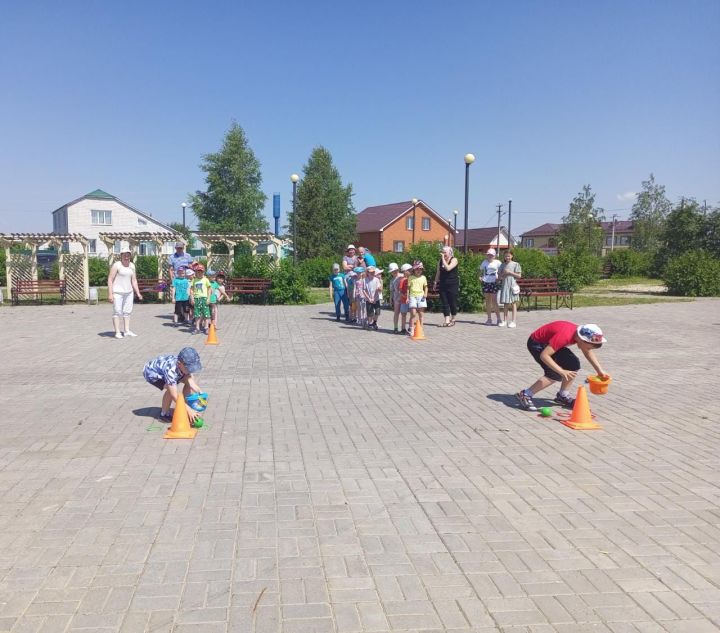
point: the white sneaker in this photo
(501, 324)
(129, 333)
(512, 324)
(118, 335)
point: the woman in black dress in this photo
(447, 282)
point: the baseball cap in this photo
(490, 251)
(591, 333)
(199, 267)
(191, 359)
(179, 245)
(418, 264)
(350, 246)
(405, 267)
(379, 271)
(392, 267)
(190, 272)
(336, 267)
(359, 269)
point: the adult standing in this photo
(122, 283)
(179, 258)
(447, 282)
(367, 256)
(349, 260)
(488, 274)
(509, 294)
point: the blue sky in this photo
(549, 96)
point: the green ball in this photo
(199, 422)
(546, 412)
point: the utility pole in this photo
(612, 239)
(499, 212)
(510, 244)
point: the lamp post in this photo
(455, 212)
(294, 179)
(469, 160)
(414, 201)
(184, 206)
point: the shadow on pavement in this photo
(509, 400)
(147, 412)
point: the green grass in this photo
(586, 301)
(318, 295)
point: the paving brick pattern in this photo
(351, 481)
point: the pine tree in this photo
(581, 230)
(326, 220)
(234, 201)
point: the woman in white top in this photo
(122, 283)
(488, 274)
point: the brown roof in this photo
(553, 229)
(373, 219)
(479, 237)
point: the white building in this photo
(99, 212)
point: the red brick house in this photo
(392, 227)
(545, 236)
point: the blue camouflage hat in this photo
(191, 359)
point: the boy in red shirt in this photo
(549, 345)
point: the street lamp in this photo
(184, 206)
(294, 179)
(414, 201)
(469, 160)
(455, 212)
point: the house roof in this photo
(373, 219)
(553, 229)
(99, 194)
(480, 237)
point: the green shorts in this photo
(202, 311)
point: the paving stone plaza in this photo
(353, 481)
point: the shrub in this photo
(470, 297)
(629, 263)
(288, 284)
(146, 267)
(249, 265)
(3, 277)
(693, 274)
(99, 271)
(575, 269)
(317, 270)
(534, 262)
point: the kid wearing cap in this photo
(405, 270)
(548, 345)
(217, 293)
(181, 296)
(168, 372)
(339, 292)
(372, 292)
(417, 294)
(201, 292)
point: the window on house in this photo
(409, 222)
(116, 247)
(608, 240)
(398, 247)
(426, 224)
(623, 240)
(103, 218)
(529, 242)
(146, 248)
(92, 247)
(141, 222)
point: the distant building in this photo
(479, 240)
(100, 212)
(389, 227)
(545, 237)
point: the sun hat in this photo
(591, 333)
(405, 267)
(191, 359)
(336, 267)
(370, 269)
(125, 248)
(350, 247)
(490, 251)
(190, 272)
(359, 269)
(179, 245)
(392, 267)
(379, 271)
(418, 264)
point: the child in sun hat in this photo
(181, 296)
(201, 292)
(372, 292)
(405, 271)
(417, 294)
(168, 372)
(548, 345)
(217, 294)
(339, 292)
(360, 303)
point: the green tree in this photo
(581, 231)
(684, 229)
(185, 231)
(326, 220)
(712, 233)
(648, 215)
(233, 200)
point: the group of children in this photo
(359, 292)
(196, 296)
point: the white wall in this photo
(79, 220)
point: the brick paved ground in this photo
(357, 481)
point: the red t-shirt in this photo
(403, 290)
(556, 334)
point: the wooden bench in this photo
(248, 286)
(154, 285)
(544, 287)
(36, 289)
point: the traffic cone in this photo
(581, 418)
(180, 428)
(212, 336)
(418, 332)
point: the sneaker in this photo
(489, 322)
(195, 332)
(526, 402)
(502, 323)
(565, 401)
(165, 416)
(512, 324)
(118, 335)
(404, 331)
(129, 333)
(375, 326)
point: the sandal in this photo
(451, 324)
(445, 325)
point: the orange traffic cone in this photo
(418, 334)
(212, 336)
(180, 428)
(581, 418)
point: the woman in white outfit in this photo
(122, 283)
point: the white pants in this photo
(122, 304)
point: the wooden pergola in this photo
(73, 268)
(231, 240)
(134, 239)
